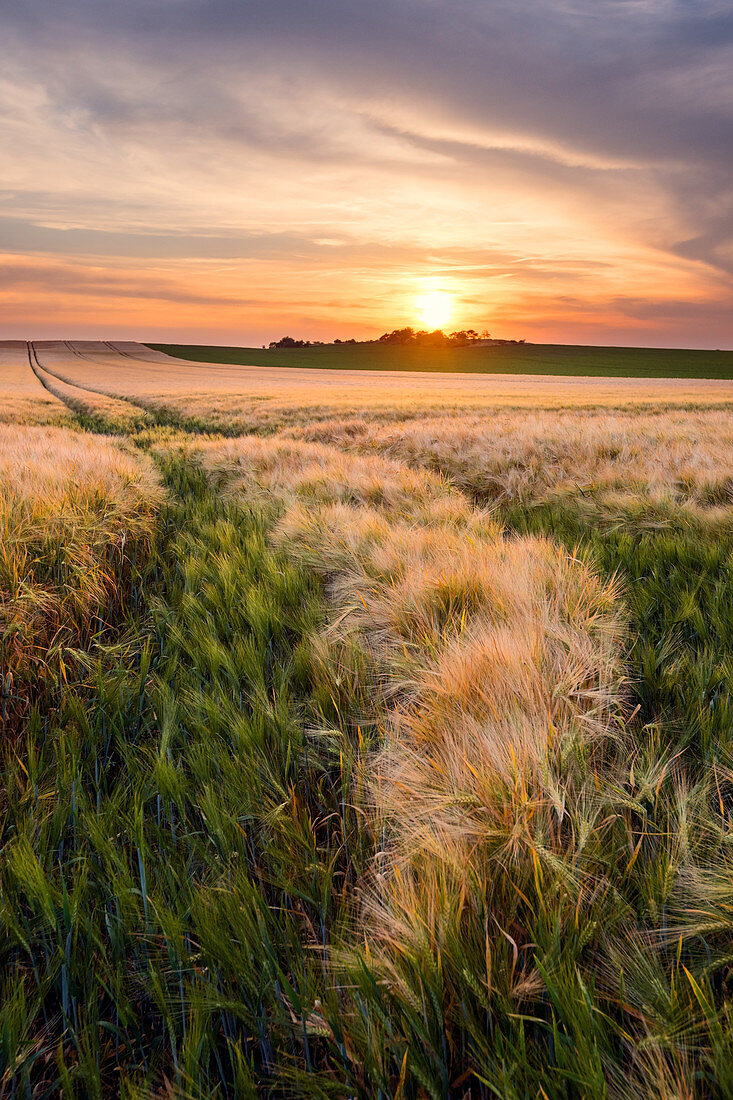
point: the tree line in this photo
(407, 337)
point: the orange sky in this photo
(227, 173)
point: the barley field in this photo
(364, 734)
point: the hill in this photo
(560, 359)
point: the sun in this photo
(434, 308)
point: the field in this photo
(553, 359)
(364, 734)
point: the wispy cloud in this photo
(534, 154)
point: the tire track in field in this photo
(128, 355)
(167, 360)
(40, 373)
(75, 351)
(77, 404)
(78, 385)
(156, 415)
(43, 372)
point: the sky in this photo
(230, 171)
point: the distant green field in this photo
(571, 359)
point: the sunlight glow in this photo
(434, 308)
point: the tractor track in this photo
(43, 373)
(127, 354)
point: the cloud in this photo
(550, 141)
(26, 235)
(48, 280)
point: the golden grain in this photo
(619, 458)
(72, 508)
(23, 400)
(492, 658)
